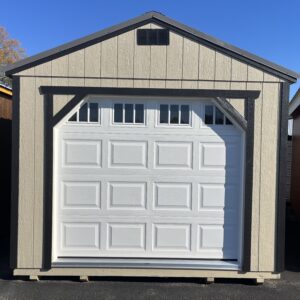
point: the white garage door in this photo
(148, 179)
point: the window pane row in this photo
(128, 113)
(89, 112)
(174, 114)
(213, 116)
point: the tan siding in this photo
(43, 69)
(109, 63)
(256, 176)
(207, 61)
(59, 101)
(39, 165)
(142, 64)
(255, 74)
(174, 61)
(125, 58)
(270, 78)
(190, 65)
(190, 59)
(26, 173)
(60, 69)
(223, 71)
(92, 64)
(239, 105)
(60, 77)
(158, 66)
(269, 135)
(76, 68)
(239, 71)
(27, 72)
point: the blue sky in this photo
(268, 28)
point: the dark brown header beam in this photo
(75, 90)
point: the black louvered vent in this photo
(153, 37)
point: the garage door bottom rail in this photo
(66, 262)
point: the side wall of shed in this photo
(295, 175)
(119, 62)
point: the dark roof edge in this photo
(294, 103)
(185, 30)
(297, 94)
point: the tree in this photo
(10, 52)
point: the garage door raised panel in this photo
(81, 194)
(128, 154)
(173, 155)
(82, 153)
(127, 195)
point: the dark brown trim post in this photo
(249, 115)
(281, 175)
(15, 173)
(48, 180)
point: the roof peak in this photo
(154, 12)
(165, 21)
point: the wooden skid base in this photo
(84, 273)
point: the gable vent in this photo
(153, 37)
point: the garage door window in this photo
(88, 113)
(128, 113)
(174, 114)
(213, 116)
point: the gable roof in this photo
(166, 22)
(295, 103)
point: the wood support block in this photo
(84, 278)
(210, 280)
(34, 278)
(259, 280)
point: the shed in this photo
(5, 158)
(294, 112)
(149, 149)
(5, 102)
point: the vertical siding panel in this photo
(269, 138)
(207, 61)
(76, 68)
(26, 173)
(255, 74)
(270, 78)
(141, 64)
(60, 76)
(190, 64)
(158, 66)
(125, 58)
(223, 71)
(109, 62)
(41, 70)
(59, 101)
(27, 72)
(59, 69)
(239, 105)
(174, 61)
(256, 177)
(92, 62)
(239, 73)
